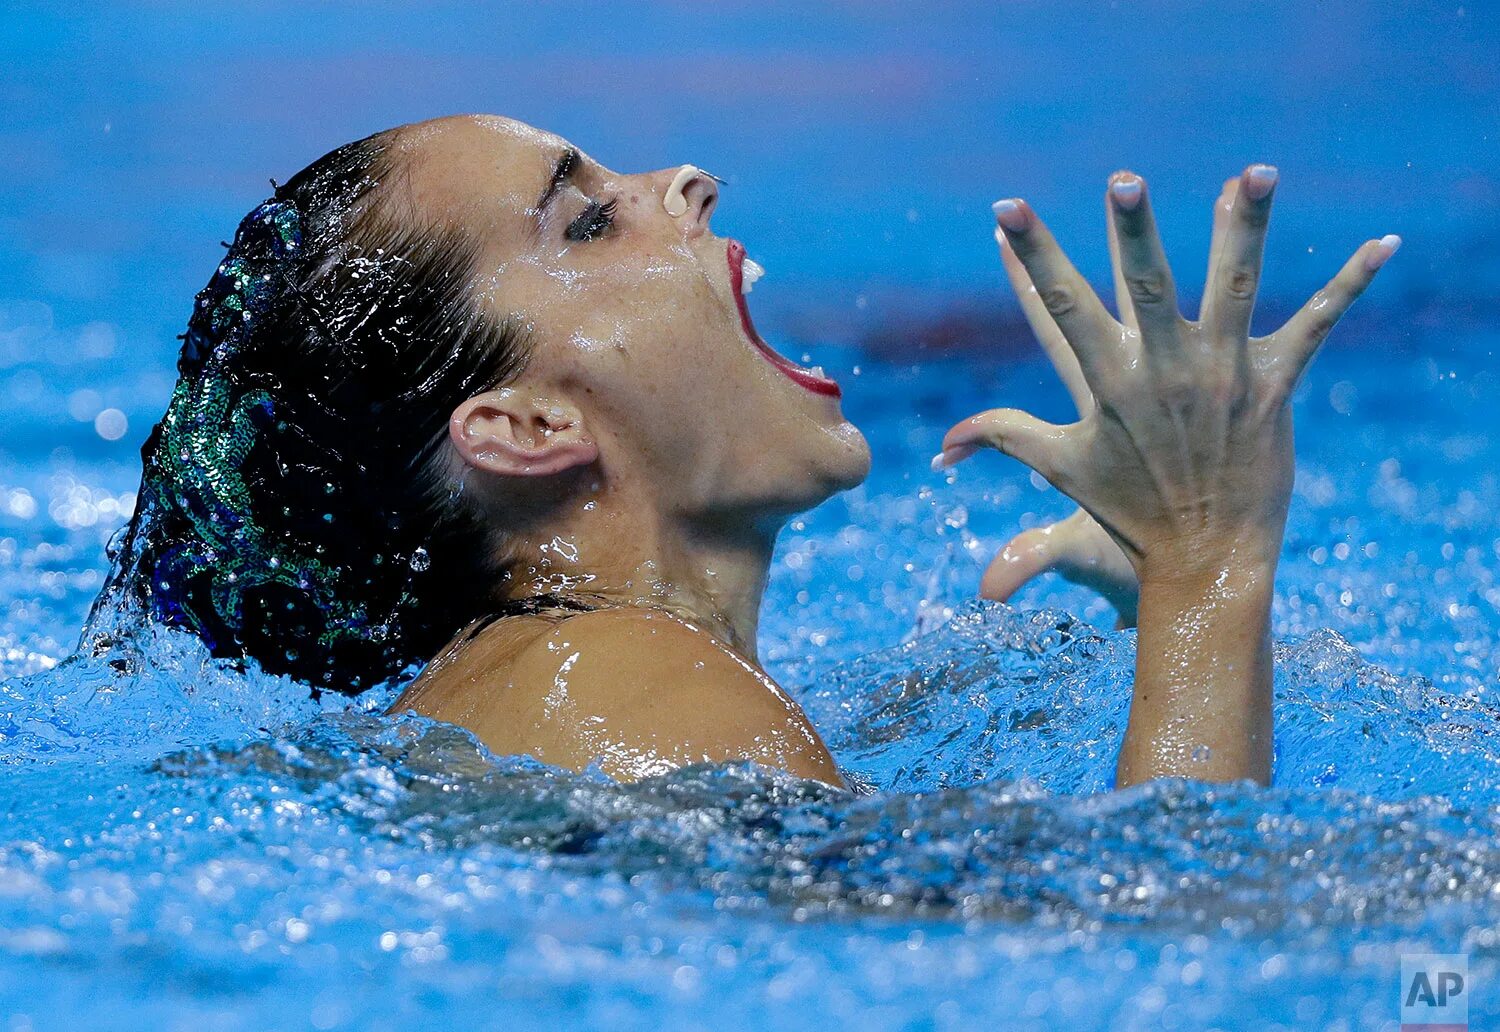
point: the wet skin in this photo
(649, 453)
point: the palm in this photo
(1076, 547)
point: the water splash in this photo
(189, 842)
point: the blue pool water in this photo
(184, 846)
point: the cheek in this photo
(653, 318)
(657, 351)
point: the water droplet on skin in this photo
(1202, 754)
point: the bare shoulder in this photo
(638, 691)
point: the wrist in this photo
(1235, 565)
(1234, 590)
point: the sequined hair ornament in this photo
(213, 421)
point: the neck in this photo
(706, 572)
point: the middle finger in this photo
(1143, 266)
(1236, 275)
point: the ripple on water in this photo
(190, 844)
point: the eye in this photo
(593, 222)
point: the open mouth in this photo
(813, 379)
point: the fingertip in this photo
(951, 456)
(999, 582)
(1126, 189)
(1024, 556)
(1381, 252)
(1011, 213)
(1225, 202)
(1259, 181)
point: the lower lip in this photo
(802, 377)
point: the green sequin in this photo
(210, 429)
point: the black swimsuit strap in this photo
(533, 605)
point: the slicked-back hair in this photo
(293, 508)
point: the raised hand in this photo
(1182, 454)
(1076, 547)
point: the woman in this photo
(459, 391)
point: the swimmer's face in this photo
(635, 321)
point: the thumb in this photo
(1027, 555)
(1018, 434)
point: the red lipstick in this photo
(803, 377)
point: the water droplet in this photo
(420, 560)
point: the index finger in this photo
(1047, 334)
(1085, 323)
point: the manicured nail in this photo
(1260, 180)
(1126, 190)
(1009, 214)
(950, 457)
(1387, 246)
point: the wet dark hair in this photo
(292, 508)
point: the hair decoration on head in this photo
(242, 286)
(212, 423)
(295, 507)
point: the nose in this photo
(690, 196)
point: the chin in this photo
(856, 457)
(841, 464)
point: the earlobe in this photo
(515, 434)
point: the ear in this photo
(520, 434)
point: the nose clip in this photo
(673, 200)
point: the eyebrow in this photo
(567, 163)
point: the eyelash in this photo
(593, 223)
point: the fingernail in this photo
(1126, 190)
(1260, 180)
(1387, 246)
(1009, 214)
(1000, 237)
(950, 457)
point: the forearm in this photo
(1202, 702)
